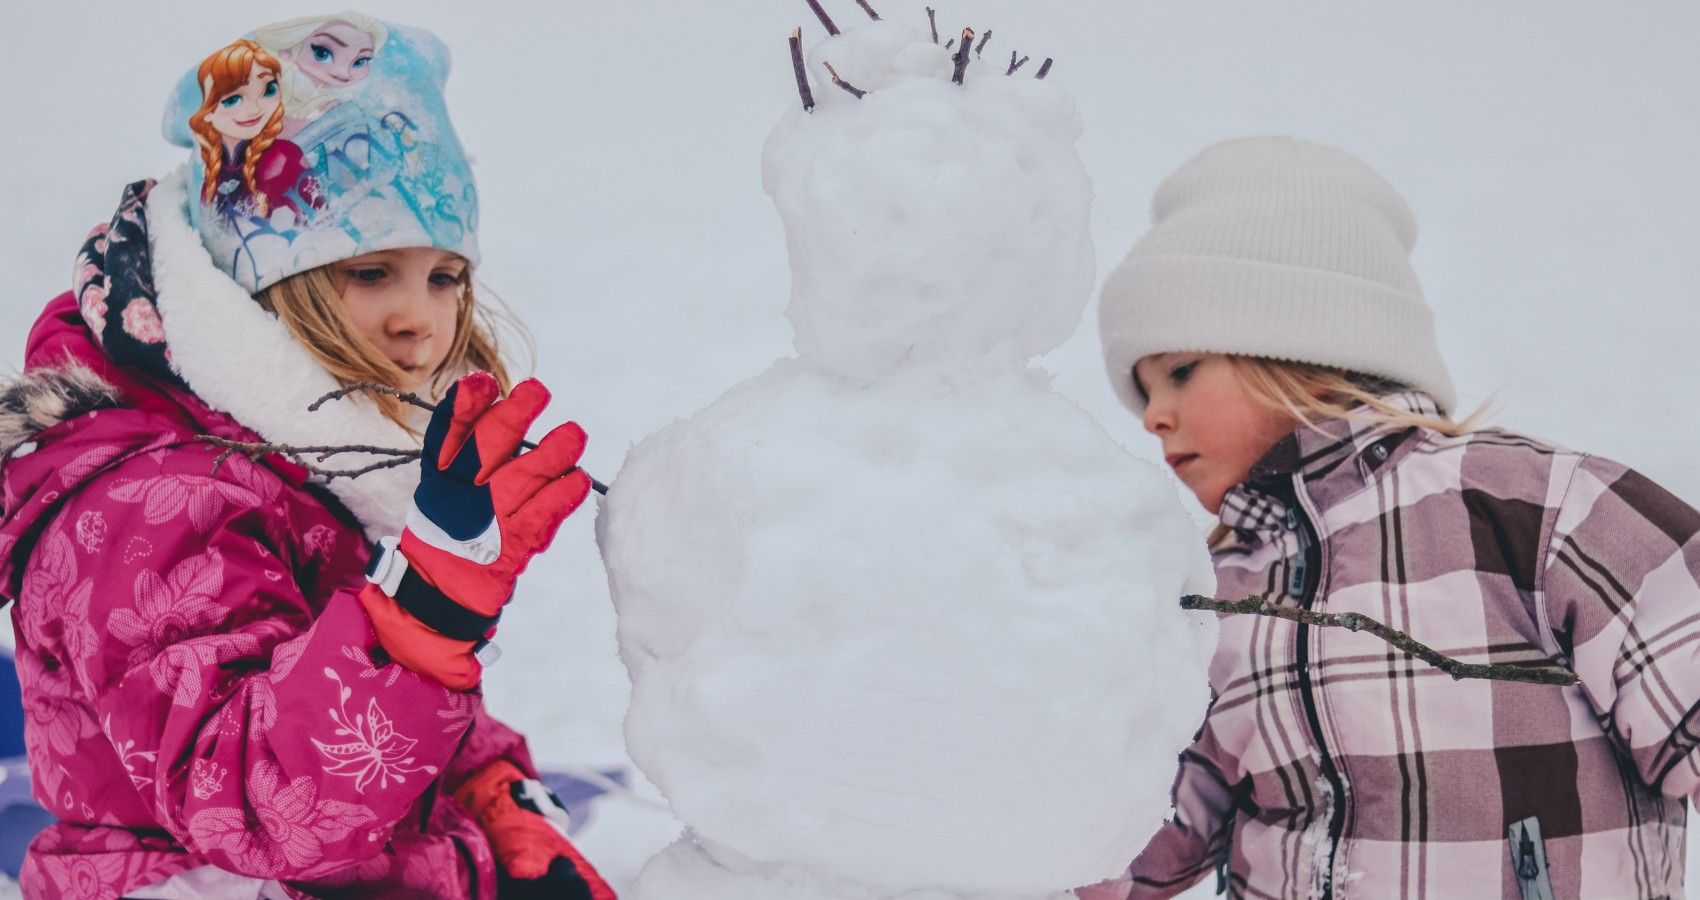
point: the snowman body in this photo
(901, 619)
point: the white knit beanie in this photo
(1278, 248)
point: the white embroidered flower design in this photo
(374, 751)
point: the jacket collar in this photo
(1333, 459)
(239, 359)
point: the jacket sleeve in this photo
(1621, 591)
(488, 740)
(1191, 842)
(260, 732)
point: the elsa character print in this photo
(249, 167)
(321, 58)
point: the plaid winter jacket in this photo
(1330, 765)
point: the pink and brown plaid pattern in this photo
(1330, 765)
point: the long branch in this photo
(798, 67)
(825, 20)
(961, 59)
(933, 22)
(1351, 621)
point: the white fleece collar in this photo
(241, 360)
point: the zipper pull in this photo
(1528, 868)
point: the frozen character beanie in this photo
(320, 138)
(1279, 248)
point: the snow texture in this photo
(898, 616)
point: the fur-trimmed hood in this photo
(42, 398)
(236, 360)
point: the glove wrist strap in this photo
(390, 571)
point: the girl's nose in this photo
(1159, 417)
(410, 317)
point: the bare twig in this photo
(854, 91)
(376, 388)
(1044, 69)
(932, 20)
(983, 39)
(820, 14)
(797, 66)
(950, 43)
(868, 9)
(1351, 621)
(1015, 63)
(255, 450)
(961, 58)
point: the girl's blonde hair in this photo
(1314, 394)
(221, 73)
(309, 304)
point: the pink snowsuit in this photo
(197, 673)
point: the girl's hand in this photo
(527, 829)
(481, 512)
(479, 515)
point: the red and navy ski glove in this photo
(527, 829)
(479, 515)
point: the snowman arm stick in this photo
(868, 9)
(1351, 621)
(932, 20)
(983, 39)
(1044, 68)
(961, 58)
(853, 90)
(797, 67)
(1016, 63)
(825, 20)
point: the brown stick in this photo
(983, 39)
(855, 91)
(1044, 69)
(797, 66)
(255, 450)
(961, 58)
(820, 14)
(932, 20)
(868, 9)
(1351, 621)
(376, 388)
(1014, 63)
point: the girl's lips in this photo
(249, 123)
(1179, 461)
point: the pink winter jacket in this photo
(198, 676)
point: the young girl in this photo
(240, 680)
(1271, 332)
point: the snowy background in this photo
(1550, 160)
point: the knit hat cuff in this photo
(1163, 304)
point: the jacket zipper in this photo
(1302, 582)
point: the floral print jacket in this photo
(199, 679)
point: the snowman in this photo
(901, 619)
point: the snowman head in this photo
(937, 214)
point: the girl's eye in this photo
(445, 279)
(1180, 373)
(366, 276)
(231, 101)
(321, 53)
(362, 62)
(271, 89)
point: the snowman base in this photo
(693, 868)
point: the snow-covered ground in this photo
(1549, 158)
